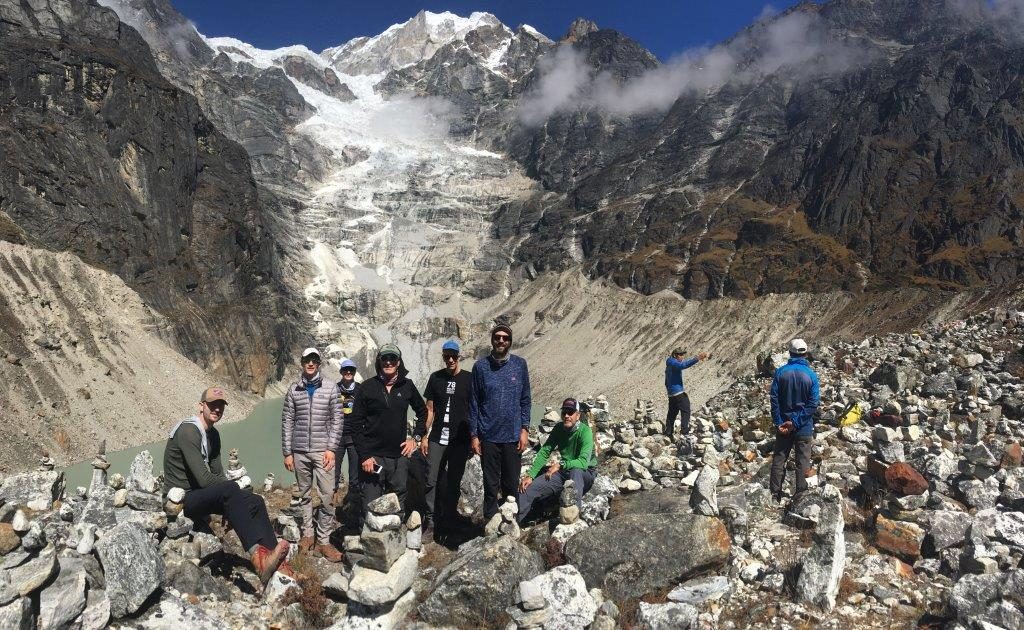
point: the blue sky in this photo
(665, 28)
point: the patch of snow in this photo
(532, 31)
(237, 51)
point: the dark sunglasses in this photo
(501, 338)
(389, 358)
(450, 357)
(568, 412)
(306, 360)
(349, 371)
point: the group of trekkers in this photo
(461, 413)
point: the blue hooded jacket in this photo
(674, 374)
(795, 396)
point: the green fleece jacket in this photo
(575, 447)
(184, 464)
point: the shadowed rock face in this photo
(104, 158)
(900, 170)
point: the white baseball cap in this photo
(798, 346)
(310, 351)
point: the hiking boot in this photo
(306, 543)
(265, 561)
(286, 569)
(330, 553)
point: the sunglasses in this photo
(389, 358)
(450, 357)
(501, 338)
(311, 360)
(348, 371)
(568, 412)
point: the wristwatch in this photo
(417, 439)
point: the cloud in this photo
(796, 43)
(1004, 15)
(179, 36)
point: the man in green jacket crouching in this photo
(574, 441)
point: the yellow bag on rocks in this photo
(851, 415)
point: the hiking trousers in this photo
(450, 461)
(394, 477)
(317, 521)
(246, 512)
(678, 404)
(542, 488)
(783, 445)
(501, 464)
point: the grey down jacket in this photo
(311, 426)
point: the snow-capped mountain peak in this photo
(407, 43)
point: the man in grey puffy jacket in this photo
(311, 427)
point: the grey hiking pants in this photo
(542, 488)
(310, 471)
(783, 445)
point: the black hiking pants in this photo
(678, 404)
(501, 464)
(246, 512)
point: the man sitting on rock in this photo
(574, 442)
(795, 398)
(192, 462)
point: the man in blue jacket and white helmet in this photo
(795, 399)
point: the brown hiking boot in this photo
(266, 561)
(306, 543)
(331, 554)
(286, 569)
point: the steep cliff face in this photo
(104, 158)
(896, 165)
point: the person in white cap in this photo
(311, 428)
(795, 398)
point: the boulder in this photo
(64, 598)
(9, 540)
(17, 615)
(478, 584)
(184, 576)
(981, 598)
(664, 549)
(899, 538)
(666, 616)
(938, 385)
(947, 528)
(704, 497)
(896, 377)
(385, 505)
(35, 490)
(27, 574)
(140, 474)
(904, 480)
(132, 567)
(565, 592)
(1011, 456)
(471, 499)
(823, 564)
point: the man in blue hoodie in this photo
(499, 418)
(678, 400)
(795, 399)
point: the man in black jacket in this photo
(379, 427)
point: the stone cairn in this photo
(236, 471)
(288, 522)
(531, 609)
(99, 467)
(178, 525)
(504, 522)
(568, 511)
(382, 578)
(268, 482)
(46, 463)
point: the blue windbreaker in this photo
(795, 396)
(674, 374)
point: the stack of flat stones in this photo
(504, 522)
(382, 578)
(140, 501)
(531, 609)
(178, 524)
